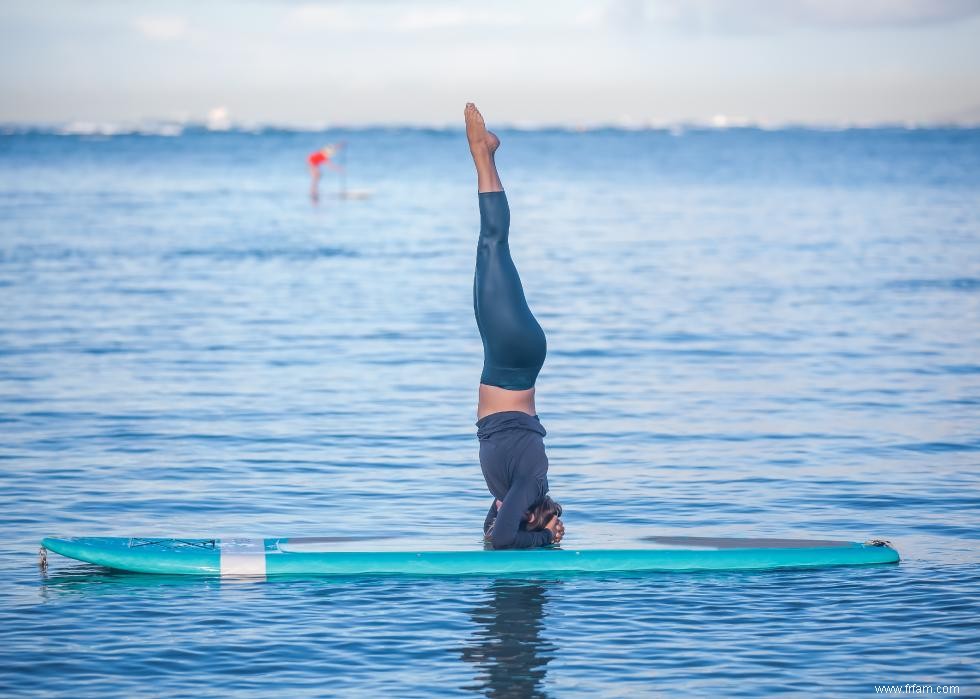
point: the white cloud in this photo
(452, 18)
(163, 28)
(870, 13)
(722, 16)
(438, 18)
(375, 18)
(311, 17)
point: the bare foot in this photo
(482, 142)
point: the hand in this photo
(557, 529)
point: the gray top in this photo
(515, 468)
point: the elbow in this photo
(501, 542)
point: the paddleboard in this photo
(355, 194)
(320, 556)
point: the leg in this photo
(314, 182)
(483, 144)
(514, 344)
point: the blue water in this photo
(750, 333)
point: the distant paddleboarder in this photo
(324, 156)
(512, 454)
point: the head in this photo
(541, 513)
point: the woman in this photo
(512, 452)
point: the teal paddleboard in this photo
(320, 556)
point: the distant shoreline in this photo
(172, 129)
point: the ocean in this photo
(751, 332)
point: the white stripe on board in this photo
(242, 556)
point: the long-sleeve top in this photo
(515, 468)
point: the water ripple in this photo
(751, 333)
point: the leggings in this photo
(514, 345)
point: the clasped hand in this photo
(557, 529)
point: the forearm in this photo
(507, 532)
(521, 539)
(490, 519)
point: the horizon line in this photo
(175, 127)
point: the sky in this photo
(631, 63)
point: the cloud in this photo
(877, 13)
(313, 18)
(163, 28)
(380, 17)
(728, 16)
(452, 18)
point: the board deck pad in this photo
(235, 557)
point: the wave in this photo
(950, 284)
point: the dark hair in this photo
(543, 510)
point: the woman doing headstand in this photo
(512, 454)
